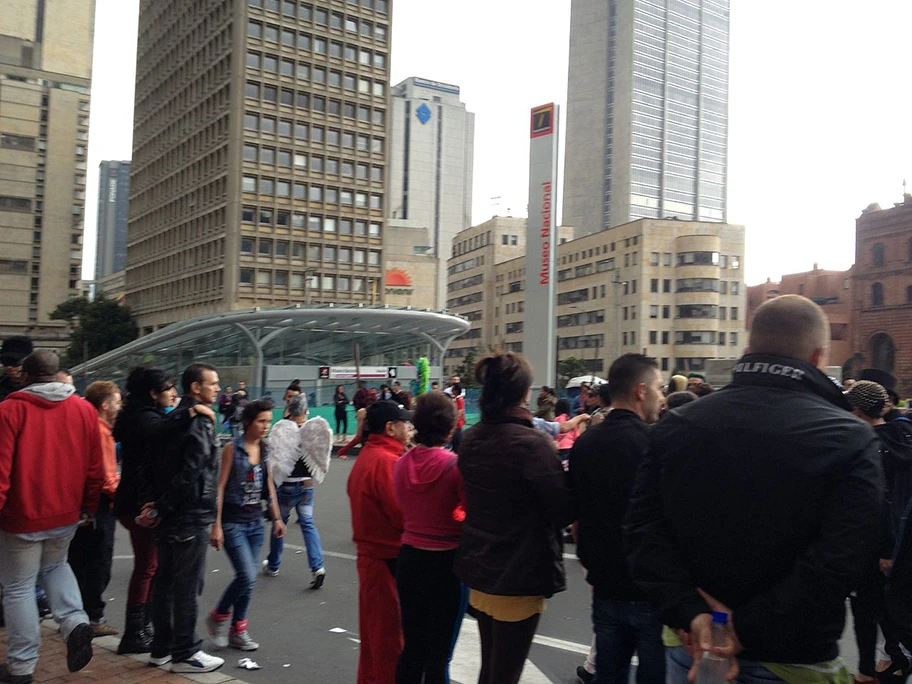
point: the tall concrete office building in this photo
(647, 112)
(259, 155)
(432, 141)
(45, 78)
(113, 204)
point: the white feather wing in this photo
(284, 449)
(316, 446)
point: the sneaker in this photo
(79, 647)
(242, 641)
(583, 675)
(198, 662)
(269, 572)
(159, 661)
(102, 628)
(7, 676)
(318, 578)
(218, 626)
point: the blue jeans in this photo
(22, 563)
(243, 542)
(293, 495)
(622, 627)
(679, 663)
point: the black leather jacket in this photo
(767, 495)
(185, 483)
(142, 431)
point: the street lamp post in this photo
(76, 322)
(308, 273)
(618, 283)
(583, 326)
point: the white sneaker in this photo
(269, 572)
(198, 662)
(159, 661)
(318, 577)
(218, 630)
(242, 641)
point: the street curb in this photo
(110, 643)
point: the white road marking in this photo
(563, 645)
(466, 664)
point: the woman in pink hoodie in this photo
(432, 600)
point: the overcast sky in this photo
(819, 108)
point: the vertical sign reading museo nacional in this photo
(541, 244)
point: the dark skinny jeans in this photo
(504, 647)
(178, 584)
(145, 561)
(341, 421)
(432, 601)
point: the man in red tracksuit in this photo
(377, 529)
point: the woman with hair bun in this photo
(516, 503)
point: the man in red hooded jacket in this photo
(51, 473)
(377, 531)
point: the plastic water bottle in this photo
(713, 668)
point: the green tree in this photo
(570, 367)
(464, 370)
(103, 325)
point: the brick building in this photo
(882, 290)
(832, 290)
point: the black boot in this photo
(134, 638)
(148, 629)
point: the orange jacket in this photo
(109, 457)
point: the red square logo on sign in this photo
(542, 121)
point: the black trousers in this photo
(175, 594)
(341, 422)
(867, 613)
(90, 556)
(504, 647)
(432, 602)
(897, 623)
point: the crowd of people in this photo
(769, 502)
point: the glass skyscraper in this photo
(647, 112)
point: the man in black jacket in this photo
(603, 466)
(184, 488)
(762, 500)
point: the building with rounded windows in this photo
(668, 288)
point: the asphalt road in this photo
(312, 636)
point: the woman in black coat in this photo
(517, 501)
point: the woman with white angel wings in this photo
(299, 456)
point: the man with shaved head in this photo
(762, 501)
(51, 475)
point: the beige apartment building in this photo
(671, 289)
(45, 81)
(473, 279)
(259, 158)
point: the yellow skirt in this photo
(506, 608)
